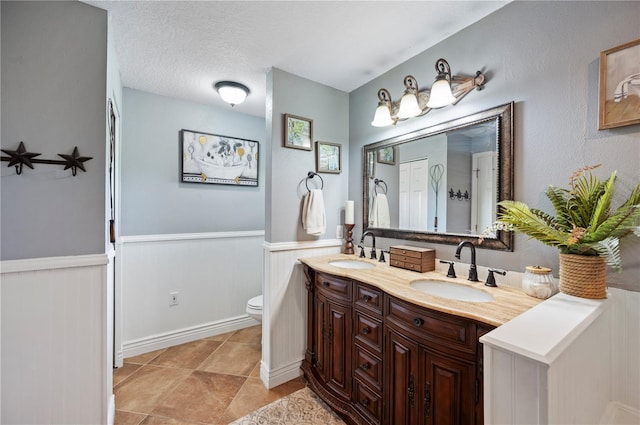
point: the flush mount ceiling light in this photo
(446, 90)
(231, 92)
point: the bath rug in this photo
(300, 408)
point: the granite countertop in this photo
(508, 302)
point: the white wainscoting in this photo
(214, 275)
(566, 361)
(284, 325)
(55, 366)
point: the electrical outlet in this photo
(173, 298)
(339, 231)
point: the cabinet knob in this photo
(325, 283)
(365, 402)
(418, 321)
(365, 366)
(366, 298)
(366, 331)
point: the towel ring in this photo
(311, 175)
(379, 183)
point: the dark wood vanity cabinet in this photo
(377, 360)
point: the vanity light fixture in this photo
(231, 92)
(446, 90)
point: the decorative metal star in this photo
(75, 161)
(20, 156)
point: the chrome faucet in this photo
(473, 271)
(373, 248)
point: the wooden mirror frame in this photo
(503, 240)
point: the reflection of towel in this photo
(313, 216)
(379, 216)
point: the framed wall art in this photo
(387, 155)
(298, 132)
(619, 86)
(328, 157)
(215, 159)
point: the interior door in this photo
(484, 191)
(414, 191)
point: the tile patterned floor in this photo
(211, 381)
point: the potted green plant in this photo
(586, 229)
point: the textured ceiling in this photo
(180, 48)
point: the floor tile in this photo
(159, 420)
(122, 373)
(233, 358)
(256, 371)
(143, 391)
(254, 395)
(145, 358)
(186, 356)
(221, 337)
(202, 397)
(128, 418)
(252, 335)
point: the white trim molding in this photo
(52, 263)
(284, 324)
(191, 236)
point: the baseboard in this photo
(273, 378)
(182, 336)
(618, 413)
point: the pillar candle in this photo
(348, 213)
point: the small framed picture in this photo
(298, 132)
(328, 157)
(387, 155)
(619, 88)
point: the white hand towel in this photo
(313, 215)
(380, 212)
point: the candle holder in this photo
(348, 247)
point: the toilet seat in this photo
(255, 302)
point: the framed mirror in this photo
(442, 183)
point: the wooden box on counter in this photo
(413, 258)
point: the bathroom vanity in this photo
(381, 351)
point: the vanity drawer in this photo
(334, 286)
(368, 367)
(368, 331)
(407, 265)
(369, 298)
(433, 327)
(368, 402)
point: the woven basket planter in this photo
(583, 276)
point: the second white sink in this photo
(452, 291)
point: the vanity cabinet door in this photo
(447, 388)
(337, 350)
(320, 345)
(401, 374)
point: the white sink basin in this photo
(352, 264)
(452, 291)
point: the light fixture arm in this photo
(444, 70)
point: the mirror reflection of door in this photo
(483, 190)
(414, 190)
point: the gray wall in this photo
(329, 110)
(544, 56)
(154, 200)
(54, 62)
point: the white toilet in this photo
(254, 308)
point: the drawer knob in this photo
(365, 402)
(418, 321)
(366, 298)
(366, 331)
(325, 283)
(365, 366)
